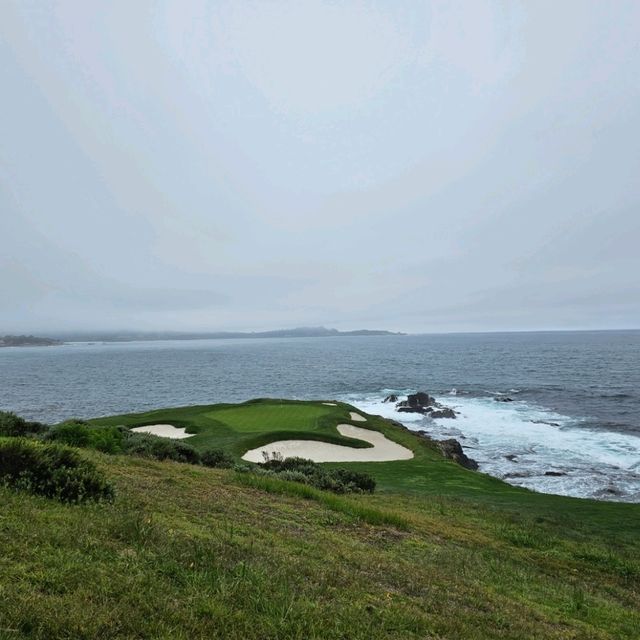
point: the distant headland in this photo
(300, 332)
(27, 341)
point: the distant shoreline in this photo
(28, 341)
(303, 332)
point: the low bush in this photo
(311, 473)
(77, 433)
(294, 476)
(74, 433)
(51, 470)
(14, 426)
(148, 446)
(355, 481)
(216, 458)
(107, 439)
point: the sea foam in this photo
(529, 446)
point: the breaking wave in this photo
(528, 445)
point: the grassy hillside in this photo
(191, 552)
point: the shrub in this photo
(355, 481)
(77, 433)
(107, 439)
(52, 471)
(15, 426)
(335, 480)
(148, 446)
(293, 476)
(216, 458)
(277, 463)
(74, 433)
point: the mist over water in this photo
(576, 408)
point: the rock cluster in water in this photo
(423, 403)
(426, 405)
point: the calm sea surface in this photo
(576, 408)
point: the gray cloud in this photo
(419, 166)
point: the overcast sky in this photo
(417, 166)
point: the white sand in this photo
(356, 417)
(330, 404)
(383, 449)
(164, 431)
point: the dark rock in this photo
(452, 450)
(417, 403)
(446, 412)
(512, 457)
(551, 424)
(420, 399)
(404, 409)
(391, 398)
(503, 399)
(607, 492)
(555, 473)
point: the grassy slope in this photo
(439, 552)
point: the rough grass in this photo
(439, 552)
(190, 552)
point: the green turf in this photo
(238, 428)
(438, 552)
(271, 417)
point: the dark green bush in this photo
(107, 439)
(74, 433)
(15, 426)
(279, 464)
(52, 471)
(314, 474)
(148, 446)
(77, 433)
(216, 458)
(355, 481)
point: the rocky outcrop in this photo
(445, 412)
(403, 408)
(452, 450)
(503, 399)
(420, 399)
(416, 403)
(391, 398)
(551, 424)
(424, 404)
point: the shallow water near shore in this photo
(575, 409)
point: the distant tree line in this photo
(27, 341)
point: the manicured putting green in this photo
(272, 417)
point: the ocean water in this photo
(575, 409)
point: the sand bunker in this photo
(330, 404)
(164, 431)
(383, 450)
(356, 417)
